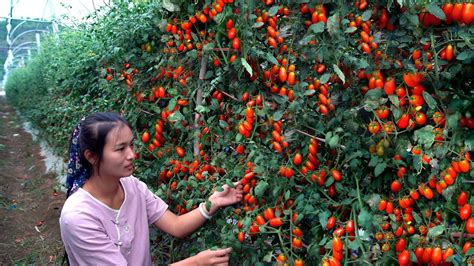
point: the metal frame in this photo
(25, 32)
(21, 45)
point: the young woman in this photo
(106, 216)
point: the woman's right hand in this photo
(213, 257)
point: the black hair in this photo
(94, 131)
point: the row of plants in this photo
(349, 124)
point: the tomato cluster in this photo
(463, 13)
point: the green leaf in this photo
(287, 194)
(323, 218)
(260, 188)
(257, 24)
(324, 78)
(413, 19)
(306, 39)
(362, 63)
(247, 66)
(328, 136)
(268, 257)
(190, 203)
(277, 115)
(259, 169)
(317, 28)
(339, 73)
(333, 141)
(425, 135)
(202, 109)
(380, 168)
(176, 116)
(469, 143)
(273, 11)
(417, 163)
(452, 121)
(209, 46)
(413, 257)
(465, 55)
(367, 15)
(333, 24)
(429, 100)
(470, 252)
(172, 104)
(417, 217)
(394, 100)
(354, 245)
(350, 30)
(182, 184)
(365, 219)
(373, 161)
(397, 113)
(375, 93)
(435, 231)
(223, 124)
(229, 183)
(436, 11)
(272, 59)
(301, 216)
(168, 5)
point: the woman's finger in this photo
(220, 260)
(222, 252)
(237, 183)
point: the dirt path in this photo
(29, 206)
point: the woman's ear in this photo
(90, 157)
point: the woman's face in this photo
(118, 153)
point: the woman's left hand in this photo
(226, 197)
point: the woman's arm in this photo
(180, 226)
(86, 243)
(183, 225)
(207, 257)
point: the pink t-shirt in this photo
(95, 234)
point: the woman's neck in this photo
(102, 187)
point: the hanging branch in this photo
(320, 139)
(202, 75)
(230, 96)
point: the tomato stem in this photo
(358, 192)
(228, 95)
(356, 226)
(461, 239)
(435, 55)
(329, 198)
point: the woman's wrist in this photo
(204, 213)
(214, 206)
(188, 261)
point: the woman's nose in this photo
(130, 154)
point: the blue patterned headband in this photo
(76, 172)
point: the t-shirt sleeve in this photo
(86, 243)
(155, 207)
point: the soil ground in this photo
(29, 204)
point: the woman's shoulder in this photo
(77, 207)
(134, 183)
(129, 179)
